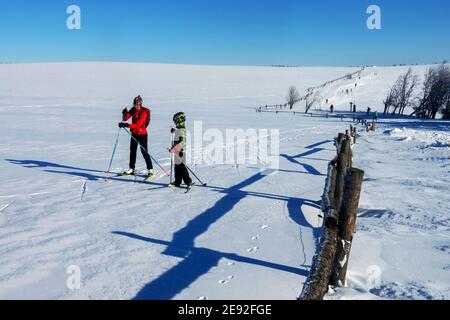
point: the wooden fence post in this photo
(340, 138)
(343, 163)
(340, 202)
(316, 286)
(347, 224)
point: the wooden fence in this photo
(365, 121)
(309, 92)
(347, 76)
(340, 202)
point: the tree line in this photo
(427, 101)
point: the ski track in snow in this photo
(83, 190)
(6, 206)
(24, 195)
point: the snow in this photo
(247, 235)
(403, 224)
(428, 139)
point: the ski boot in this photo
(150, 175)
(128, 173)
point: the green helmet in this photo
(180, 120)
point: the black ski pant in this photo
(182, 174)
(143, 141)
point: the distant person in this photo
(332, 108)
(369, 110)
(375, 116)
(354, 108)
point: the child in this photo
(179, 150)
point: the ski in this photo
(189, 188)
(150, 178)
(136, 176)
(154, 188)
(119, 175)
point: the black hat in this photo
(137, 100)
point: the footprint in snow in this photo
(253, 249)
(229, 278)
(231, 263)
(254, 238)
(202, 298)
(264, 227)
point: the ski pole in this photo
(199, 180)
(114, 151)
(166, 173)
(172, 160)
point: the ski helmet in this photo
(180, 120)
(137, 100)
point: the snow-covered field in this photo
(404, 217)
(246, 235)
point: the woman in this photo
(141, 117)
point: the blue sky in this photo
(229, 32)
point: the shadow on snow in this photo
(313, 150)
(88, 174)
(199, 261)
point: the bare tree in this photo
(435, 93)
(293, 97)
(311, 99)
(402, 93)
(389, 101)
(446, 110)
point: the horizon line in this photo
(219, 65)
